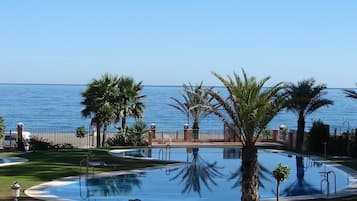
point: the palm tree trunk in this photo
(123, 124)
(300, 133)
(277, 190)
(98, 135)
(250, 185)
(196, 130)
(104, 135)
(300, 171)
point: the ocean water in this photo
(57, 108)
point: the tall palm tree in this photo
(192, 105)
(304, 99)
(129, 100)
(247, 110)
(99, 102)
(351, 93)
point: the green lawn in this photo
(48, 165)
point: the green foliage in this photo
(2, 127)
(134, 136)
(81, 132)
(281, 173)
(319, 133)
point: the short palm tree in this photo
(99, 102)
(351, 93)
(129, 100)
(304, 99)
(247, 110)
(192, 105)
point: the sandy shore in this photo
(161, 139)
(70, 138)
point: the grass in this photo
(48, 165)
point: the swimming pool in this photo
(5, 161)
(210, 174)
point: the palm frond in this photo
(350, 93)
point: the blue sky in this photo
(178, 41)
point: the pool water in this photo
(208, 174)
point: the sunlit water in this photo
(58, 108)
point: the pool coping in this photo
(13, 161)
(39, 193)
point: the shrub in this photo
(318, 134)
(134, 136)
(81, 132)
(39, 144)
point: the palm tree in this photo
(192, 105)
(247, 110)
(129, 100)
(304, 99)
(99, 102)
(351, 93)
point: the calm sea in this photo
(58, 108)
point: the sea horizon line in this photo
(145, 85)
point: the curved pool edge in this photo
(350, 190)
(39, 191)
(12, 161)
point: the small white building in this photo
(10, 139)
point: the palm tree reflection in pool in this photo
(111, 186)
(196, 172)
(264, 174)
(301, 186)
